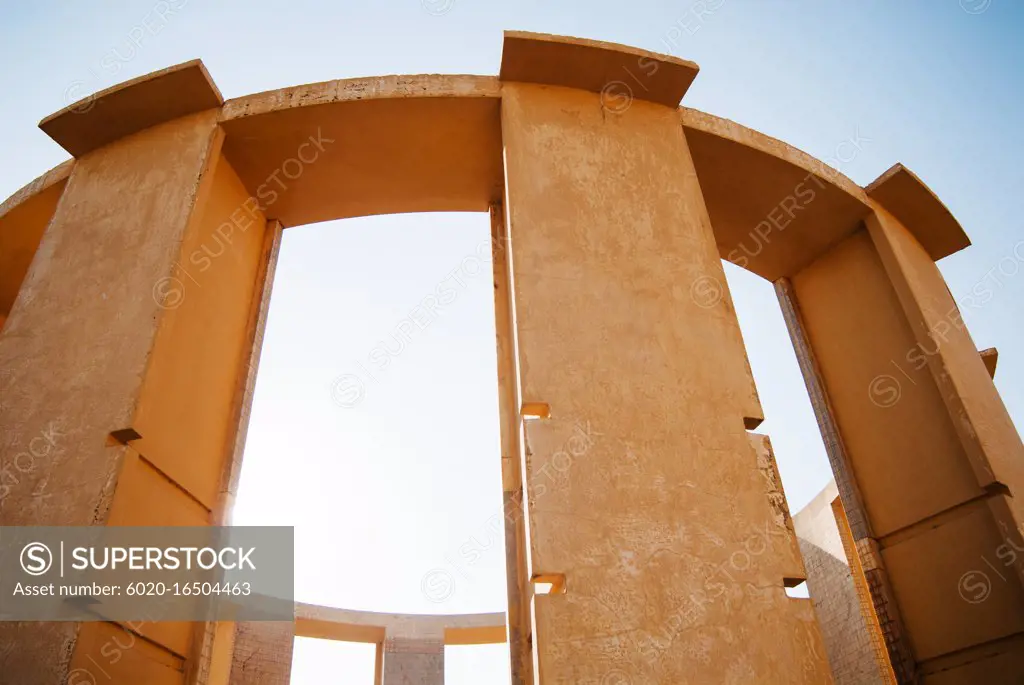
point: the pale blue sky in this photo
(409, 476)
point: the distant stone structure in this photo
(647, 536)
(856, 651)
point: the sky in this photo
(383, 492)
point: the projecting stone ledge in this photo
(608, 68)
(132, 106)
(990, 357)
(907, 198)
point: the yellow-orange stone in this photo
(133, 290)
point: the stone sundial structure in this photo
(647, 536)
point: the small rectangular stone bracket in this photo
(535, 410)
(548, 583)
(122, 436)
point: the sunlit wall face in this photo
(936, 99)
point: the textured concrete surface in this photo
(410, 647)
(861, 545)
(957, 639)
(619, 210)
(203, 342)
(359, 147)
(413, 661)
(78, 341)
(836, 604)
(604, 254)
(912, 396)
(263, 653)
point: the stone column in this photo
(932, 461)
(77, 344)
(413, 661)
(645, 493)
(842, 602)
(885, 608)
(263, 653)
(124, 352)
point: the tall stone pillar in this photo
(930, 462)
(649, 526)
(124, 350)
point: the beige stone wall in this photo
(831, 586)
(72, 354)
(263, 653)
(409, 661)
(644, 490)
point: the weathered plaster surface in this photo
(901, 372)
(859, 334)
(77, 343)
(645, 491)
(199, 350)
(369, 146)
(263, 653)
(644, 488)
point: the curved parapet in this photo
(409, 647)
(382, 146)
(350, 625)
(57, 176)
(774, 209)
(23, 219)
(433, 143)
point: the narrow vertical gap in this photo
(532, 676)
(516, 546)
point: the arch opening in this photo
(376, 395)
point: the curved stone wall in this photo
(632, 485)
